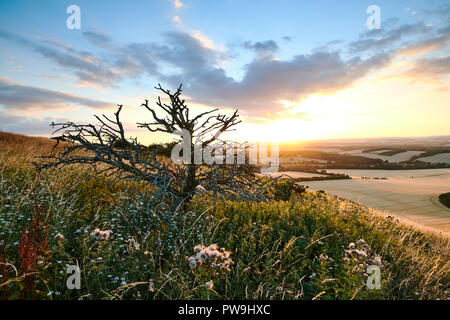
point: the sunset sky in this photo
(295, 69)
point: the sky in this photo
(295, 69)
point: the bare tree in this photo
(106, 148)
(178, 119)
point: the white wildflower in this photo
(209, 285)
(102, 235)
(192, 262)
(200, 188)
(59, 236)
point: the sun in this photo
(283, 130)
(323, 119)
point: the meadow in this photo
(308, 246)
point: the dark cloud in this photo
(382, 39)
(262, 47)
(98, 37)
(89, 69)
(16, 96)
(267, 81)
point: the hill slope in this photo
(312, 246)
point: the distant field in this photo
(437, 158)
(409, 194)
(295, 159)
(298, 174)
(398, 157)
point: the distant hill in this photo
(24, 145)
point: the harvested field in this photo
(409, 194)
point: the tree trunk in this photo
(190, 183)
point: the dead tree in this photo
(97, 146)
(177, 119)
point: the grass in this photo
(293, 249)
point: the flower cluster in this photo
(360, 252)
(212, 257)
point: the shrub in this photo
(285, 188)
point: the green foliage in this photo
(284, 188)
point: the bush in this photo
(445, 199)
(285, 188)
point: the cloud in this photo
(197, 64)
(436, 40)
(89, 69)
(26, 125)
(382, 39)
(431, 69)
(424, 46)
(196, 61)
(21, 97)
(268, 46)
(97, 37)
(178, 4)
(268, 81)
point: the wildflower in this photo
(59, 236)
(360, 253)
(200, 188)
(151, 286)
(378, 260)
(192, 262)
(102, 235)
(134, 244)
(212, 257)
(209, 285)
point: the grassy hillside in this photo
(310, 247)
